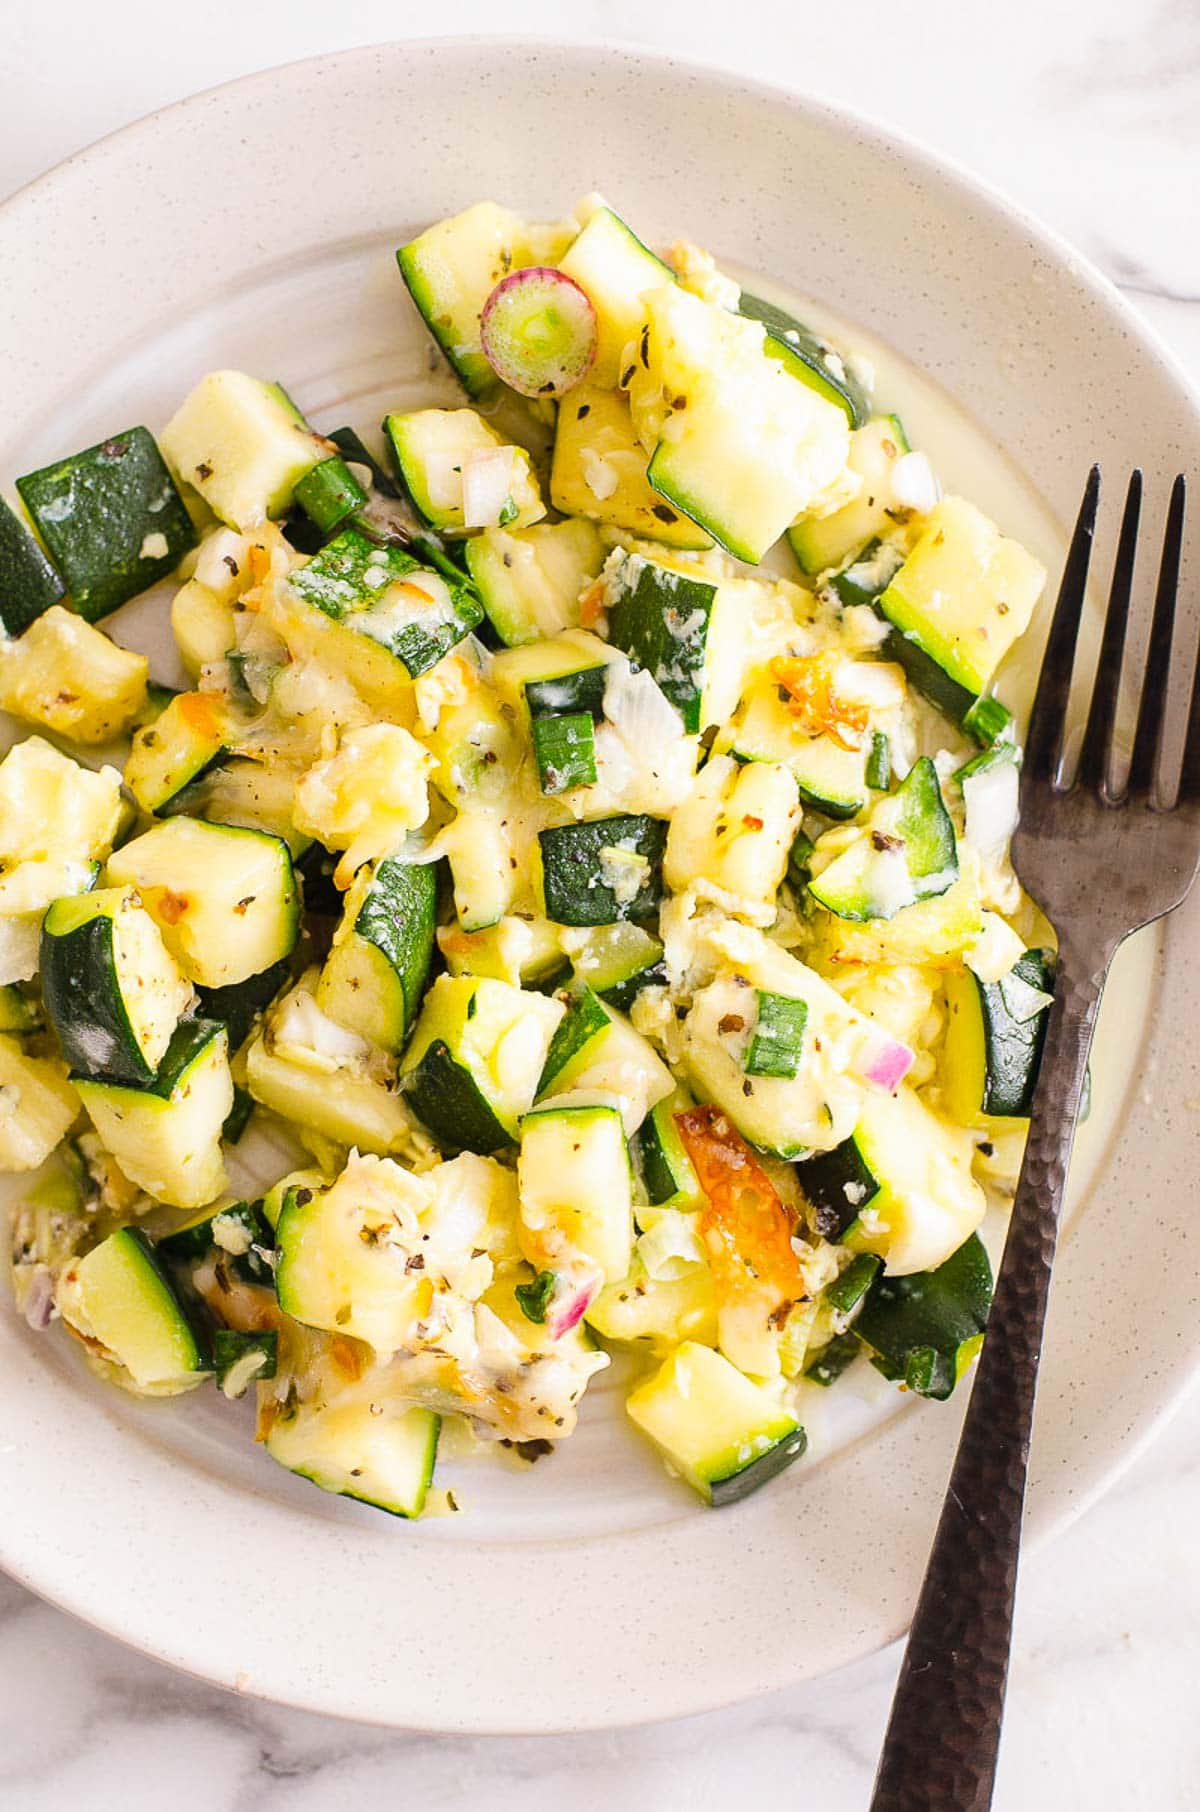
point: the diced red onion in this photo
(886, 1063)
(38, 1305)
(568, 1310)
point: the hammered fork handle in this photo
(940, 1751)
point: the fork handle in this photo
(939, 1754)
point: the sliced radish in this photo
(538, 330)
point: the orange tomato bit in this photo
(809, 681)
(745, 1225)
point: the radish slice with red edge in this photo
(538, 330)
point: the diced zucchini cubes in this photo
(111, 518)
(740, 440)
(384, 595)
(925, 1329)
(71, 678)
(906, 852)
(723, 1433)
(595, 1049)
(29, 581)
(451, 269)
(473, 1064)
(317, 1074)
(821, 542)
(382, 1459)
(335, 1271)
(829, 777)
(460, 473)
(660, 616)
(576, 1189)
(224, 898)
(964, 594)
(191, 735)
(243, 445)
(900, 1186)
(994, 1036)
(118, 1295)
(530, 580)
(166, 1137)
(602, 871)
(614, 270)
(599, 470)
(374, 976)
(113, 993)
(37, 1107)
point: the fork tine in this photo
(1095, 758)
(1044, 743)
(1152, 707)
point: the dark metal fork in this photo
(1103, 857)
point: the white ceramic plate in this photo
(254, 226)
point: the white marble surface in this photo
(1088, 112)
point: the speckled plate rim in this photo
(1092, 1421)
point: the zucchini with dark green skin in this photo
(166, 1136)
(188, 738)
(926, 1328)
(661, 1156)
(375, 974)
(578, 881)
(240, 1360)
(240, 1005)
(29, 581)
(618, 961)
(329, 493)
(351, 581)
(113, 994)
(661, 617)
(111, 518)
(835, 1357)
(383, 1460)
(865, 582)
(994, 1039)
(119, 1296)
(722, 1432)
(800, 343)
(907, 852)
(240, 1232)
(451, 1079)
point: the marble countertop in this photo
(1089, 114)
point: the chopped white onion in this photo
(640, 712)
(487, 486)
(672, 1246)
(599, 475)
(1023, 1000)
(991, 798)
(914, 486)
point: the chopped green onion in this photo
(778, 1036)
